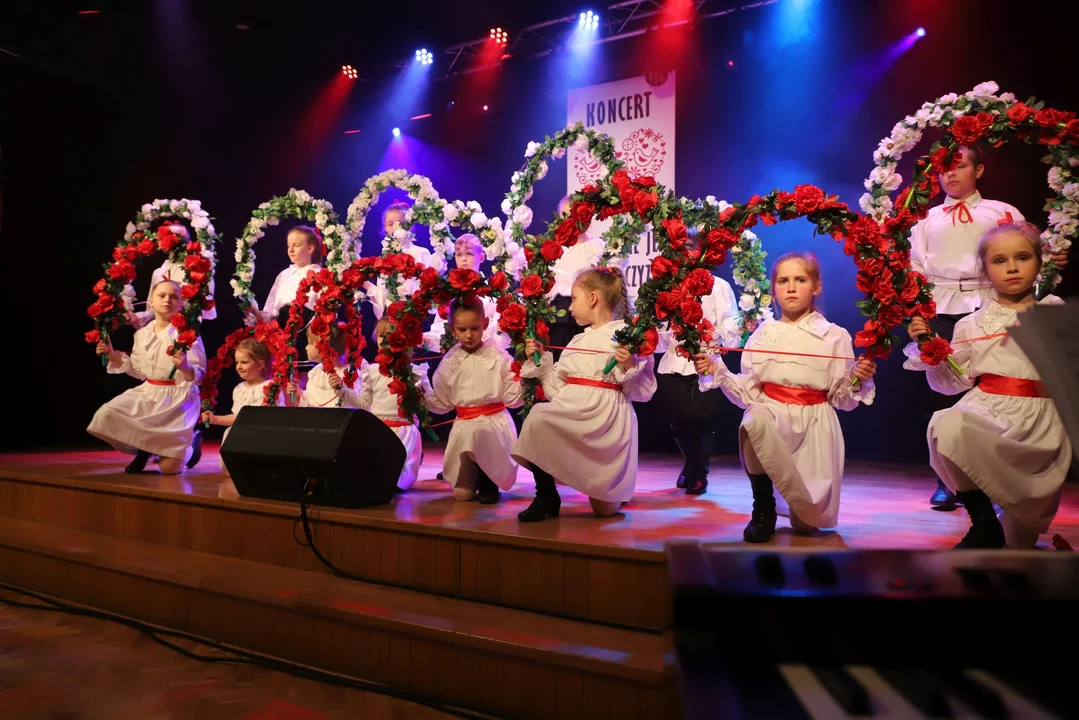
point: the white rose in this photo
(522, 215)
(542, 171)
(239, 254)
(532, 149)
(147, 209)
(1056, 178)
(746, 302)
(985, 89)
(766, 300)
(328, 230)
(581, 143)
(710, 200)
(200, 222)
(1071, 191)
(449, 212)
(558, 153)
(479, 220)
(507, 206)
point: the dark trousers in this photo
(564, 328)
(690, 410)
(944, 325)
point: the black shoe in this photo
(139, 463)
(680, 483)
(543, 506)
(440, 477)
(986, 532)
(487, 491)
(196, 450)
(762, 524)
(943, 499)
(697, 487)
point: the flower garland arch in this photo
(269, 334)
(298, 204)
(893, 291)
(114, 291)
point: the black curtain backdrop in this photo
(122, 116)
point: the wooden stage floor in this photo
(883, 506)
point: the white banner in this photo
(640, 119)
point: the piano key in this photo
(1015, 700)
(918, 689)
(765, 694)
(844, 689)
(980, 698)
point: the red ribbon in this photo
(162, 383)
(1016, 387)
(960, 210)
(471, 412)
(794, 395)
(589, 382)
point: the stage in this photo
(883, 506)
(561, 619)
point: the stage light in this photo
(420, 117)
(349, 72)
(424, 57)
(920, 32)
(730, 63)
(397, 132)
(499, 36)
(588, 20)
(88, 12)
(485, 108)
(351, 132)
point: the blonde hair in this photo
(812, 267)
(384, 324)
(398, 206)
(1027, 231)
(611, 286)
(473, 243)
(314, 239)
(463, 304)
(257, 350)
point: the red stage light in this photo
(499, 36)
(485, 108)
(349, 72)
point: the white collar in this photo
(971, 202)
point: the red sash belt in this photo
(471, 412)
(397, 423)
(1017, 387)
(163, 383)
(589, 382)
(795, 395)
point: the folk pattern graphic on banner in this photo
(640, 118)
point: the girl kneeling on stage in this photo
(159, 416)
(586, 436)
(790, 436)
(1003, 442)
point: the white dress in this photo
(483, 377)
(284, 288)
(586, 437)
(245, 394)
(157, 418)
(944, 248)
(799, 447)
(376, 398)
(319, 393)
(1014, 448)
(378, 294)
(171, 271)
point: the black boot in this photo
(762, 525)
(985, 531)
(681, 439)
(486, 490)
(943, 499)
(139, 463)
(547, 502)
(196, 450)
(700, 459)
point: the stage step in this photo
(508, 662)
(624, 586)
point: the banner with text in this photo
(640, 119)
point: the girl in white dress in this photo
(377, 399)
(475, 378)
(1003, 442)
(305, 252)
(253, 364)
(159, 416)
(586, 436)
(468, 254)
(790, 436)
(324, 389)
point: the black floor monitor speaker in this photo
(272, 453)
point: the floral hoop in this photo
(269, 334)
(751, 274)
(893, 291)
(996, 123)
(114, 291)
(977, 115)
(297, 204)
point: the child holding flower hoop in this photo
(790, 436)
(1003, 441)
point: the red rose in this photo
(503, 302)
(620, 180)
(397, 387)
(644, 202)
(582, 212)
(179, 321)
(395, 309)
(890, 316)
(648, 342)
(531, 286)
(969, 129)
(147, 247)
(542, 331)
(189, 291)
(398, 341)
(187, 338)
(1019, 112)
(661, 266)
(465, 280)
(513, 318)
(566, 233)
(551, 251)
(676, 232)
(691, 311)
(93, 337)
(628, 195)
(499, 281)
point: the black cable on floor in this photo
(238, 656)
(349, 576)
